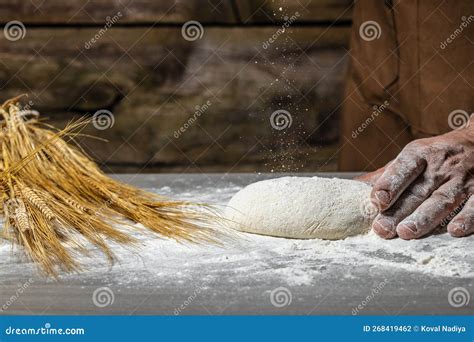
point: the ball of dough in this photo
(303, 208)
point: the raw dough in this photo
(303, 208)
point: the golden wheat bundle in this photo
(54, 196)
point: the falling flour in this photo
(303, 208)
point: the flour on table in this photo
(303, 208)
(161, 262)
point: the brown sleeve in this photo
(412, 62)
(372, 131)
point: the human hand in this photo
(429, 183)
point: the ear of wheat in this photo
(54, 196)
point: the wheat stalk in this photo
(65, 197)
(34, 199)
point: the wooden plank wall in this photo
(179, 103)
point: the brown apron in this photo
(411, 66)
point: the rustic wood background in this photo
(153, 80)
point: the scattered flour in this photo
(294, 262)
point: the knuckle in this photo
(458, 187)
(417, 197)
(453, 161)
(422, 191)
(437, 177)
(419, 147)
(413, 145)
(444, 197)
